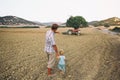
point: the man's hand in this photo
(56, 51)
(57, 32)
(57, 55)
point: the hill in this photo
(110, 22)
(92, 22)
(13, 20)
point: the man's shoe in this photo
(51, 75)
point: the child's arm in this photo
(58, 57)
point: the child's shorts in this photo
(61, 67)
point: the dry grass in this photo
(91, 56)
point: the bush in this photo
(3, 27)
(116, 29)
(106, 25)
(59, 27)
(29, 27)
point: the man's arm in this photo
(56, 50)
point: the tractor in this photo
(73, 32)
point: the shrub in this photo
(106, 25)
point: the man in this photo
(51, 48)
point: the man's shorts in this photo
(51, 59)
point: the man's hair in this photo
(54, 27)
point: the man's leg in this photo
(51, 62)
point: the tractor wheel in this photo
(69, 32)
(78, 33)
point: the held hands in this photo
(57, 55)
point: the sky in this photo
(60, 10)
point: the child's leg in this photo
(59, 66)
(64, 68)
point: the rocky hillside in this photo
(110, 21)
(13, 20)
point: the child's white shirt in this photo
(62, 60)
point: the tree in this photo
(76, 22)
